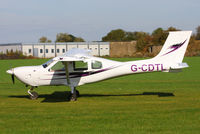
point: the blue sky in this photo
(28, 20)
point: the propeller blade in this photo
(13, 78)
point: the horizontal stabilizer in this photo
(179, 66)
(175, 70)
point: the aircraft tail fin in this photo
(174, 49)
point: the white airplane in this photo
(77, 67)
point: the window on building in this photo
(29, 51)
(47, 50)
(63, 50)
(41, 50)
(80, 65)
(52, 50)
(96, 48)
(58, 50)
(96, 65)
(101, 48)
(150, 49)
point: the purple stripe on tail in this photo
(175, 47)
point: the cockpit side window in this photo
(96, 65)
(59, 66)
(47, 63)
(80, 65)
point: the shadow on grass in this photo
(63, 96)
(159, 94)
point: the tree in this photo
(130, 36)
(49, 41)
(121, 35)
(78, 39)
(44, 39)
(198, 33)
(144, 42)
(65, 37)
(172, 29)
(115, 35)
(158, 36)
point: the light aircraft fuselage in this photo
(77, 67)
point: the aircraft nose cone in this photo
(11, 71)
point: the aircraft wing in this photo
(66, 58)
(77, 52)
(70, 56)
(67, 61)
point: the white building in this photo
(47, 50)
(4, 48)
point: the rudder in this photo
(175, 47)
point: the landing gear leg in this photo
(32, 94)
(74, 94)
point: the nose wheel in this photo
(32, 94)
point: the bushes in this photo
(14, 55)
(193, 47)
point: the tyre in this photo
(34, 95)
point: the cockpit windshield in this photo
(47, 63)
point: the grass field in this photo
(160, 103)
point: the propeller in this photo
(13, 78)
(11, 71)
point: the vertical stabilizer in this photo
(175, 47)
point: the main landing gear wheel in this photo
(74, 95)
(33, 95)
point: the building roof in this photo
(57, 43)
(11, 44)
(69, 43)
